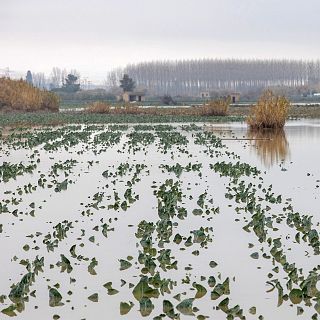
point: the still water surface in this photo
(289, 161)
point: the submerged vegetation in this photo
(271, 112)
(18, 95)
(159, 221)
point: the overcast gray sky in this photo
(94, 36)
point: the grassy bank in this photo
(18, 95)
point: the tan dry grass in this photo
(18, 95)
(212, 108)
(271, 111)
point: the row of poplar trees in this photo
(190, 77)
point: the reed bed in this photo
(212, 108)
(271, 112)
(18, 95)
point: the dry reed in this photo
(18, 95)
(271, 111)
(212, 108)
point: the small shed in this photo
(235, 97)
(205, 95)
(133, 96)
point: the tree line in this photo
(58, 79)
(190, 77)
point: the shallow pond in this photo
(159, 222)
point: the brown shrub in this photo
(217, 107)
(99, 107)
(213, 108)
(19, 95)
(271, 111)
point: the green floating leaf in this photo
(212, 281)
(213, 264)
(125, 307)
(253, 310)
(197, 212)
(54, 298)
(111, 291)
(94, 297)
(223, 305)
(64, 264)
(201, 291)
(177, 238)
(91, 267)
(124, 264)
(73, 251)
(10, 311)
(167, 306)
(185, 307)
(299, 311)
(202, 317)
(296, 296)
(255, 255)
(143, 290)
(146, 307)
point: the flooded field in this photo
(180, 221)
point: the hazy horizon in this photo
(97, 36)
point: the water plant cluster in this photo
(139, 221)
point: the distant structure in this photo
(132, 96)
(235, 97)
(205, 95)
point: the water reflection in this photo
(271, 145)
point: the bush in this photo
(21, 96)
(103, 107)
(168, 100)
(218, 107)
(271, 111)
(99, 107)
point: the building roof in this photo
(135, 93)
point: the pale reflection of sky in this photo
(229, 248)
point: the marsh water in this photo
(106, 241)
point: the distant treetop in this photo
(127, 84)
(71, 84)
(29, 77)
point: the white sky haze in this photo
(95, 36)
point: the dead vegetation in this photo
(18, 95)
(271, 112)
(212, 108)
